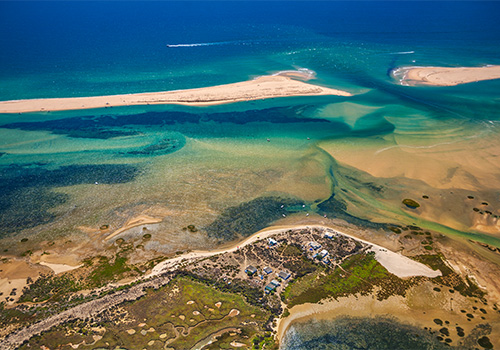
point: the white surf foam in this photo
(216, 43)
(402, 53)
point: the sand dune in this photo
(445, 76)
(256, 89)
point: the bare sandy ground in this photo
(13, 276)
(59, 268)
(446, 76)
(259, 88)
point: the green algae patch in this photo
(410, 203)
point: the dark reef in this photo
(250, 217)
(334, 208)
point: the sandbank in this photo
(259, 88)
(445, 76)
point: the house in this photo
(272, 242)
(268, 270)
(328, 235)
(284, 275)
(314, 245)
(323, 254)
(250, 270)
(269, 288)
(275, 283)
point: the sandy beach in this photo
(259, 88)
(445, 76)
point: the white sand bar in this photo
(445, 76)
(259, 88)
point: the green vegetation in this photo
(394, 229)
(358, 274)
(192, 228)
(182, 313)
(96, 272)
(485, 342)
(410, 203)
(265, 341)
(450, 278)
(252, 295)
(107, 271)
(50, 287)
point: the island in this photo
(264, 87)
(445, 76)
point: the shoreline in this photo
(264, 87)
(444, 76)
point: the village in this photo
(271, 264)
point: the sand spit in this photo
(256, 89)
(445, 76)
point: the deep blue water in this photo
(91, 48)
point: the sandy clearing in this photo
(59, 268)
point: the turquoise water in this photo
(354, 158)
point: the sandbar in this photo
(263, 87)
(137, 221)
(445, 76)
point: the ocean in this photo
(65, 173)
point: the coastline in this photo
(420, 308)
(263, 87)
(444, 76)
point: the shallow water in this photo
(371, 150)
(351, 333)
